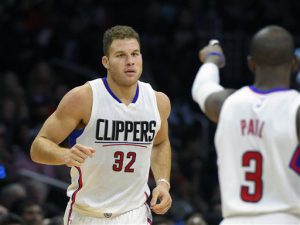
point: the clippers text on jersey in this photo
(117, 130)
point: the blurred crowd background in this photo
(48, 47)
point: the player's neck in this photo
(124, 93)
(271, 81)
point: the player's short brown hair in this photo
(118, 32)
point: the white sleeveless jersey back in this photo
(115, 180)
(258, 155)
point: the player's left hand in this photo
(161, 199)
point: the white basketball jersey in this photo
(115, 180)
(258, 155)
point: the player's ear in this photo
(295, 64)
(105, 62)
(251, 63)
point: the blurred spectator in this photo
(196, 219)
(9, 116)
(164, 222)
(11, 219)
(11, 193)
(30, 211)
(37, 191)
(5, 155)
(58, 220)
(3, 211)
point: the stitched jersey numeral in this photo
(254, 176)
(119, 161)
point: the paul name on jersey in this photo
(252, 127)
(116, 130)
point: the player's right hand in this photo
(77, 155)
(212, 53)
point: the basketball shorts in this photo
(138, 216)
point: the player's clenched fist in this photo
(77, 155)
(212, 53)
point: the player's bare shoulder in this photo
(77, 103)
(163, 104)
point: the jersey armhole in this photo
(154, 102)
(293, 118)
(93, 84)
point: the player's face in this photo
(124, 62)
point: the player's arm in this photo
(73, 110)
(161, 159)
(206, 90)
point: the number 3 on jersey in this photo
(119, 161)
(254, 176)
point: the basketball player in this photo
(119, 129)
(258, 131)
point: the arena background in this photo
(48, 47)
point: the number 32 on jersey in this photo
(119, 161)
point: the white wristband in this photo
(163, 180)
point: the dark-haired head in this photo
(272, 46)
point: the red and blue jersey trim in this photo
(115, 97)
(73, 198)
(73, 136)
(72, 141)
(295, 161)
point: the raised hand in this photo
(212, 53)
